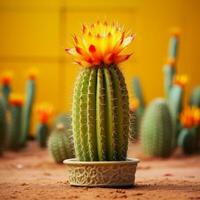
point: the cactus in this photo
(173, 45)
(100, 114)
(139, 95)
(64, 119)
(195, 97)
(2, 126)
(30, 96)
(187, 140)
(169, 72)
(60, 144)
(133, 127)
(14, 131)
(42, 134)
(157, 130)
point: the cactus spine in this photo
(157, 130)
(100, 114)
(195, 97)
(42, 134)
(30, 95)
(139, 95)
(133, 130)
(60, 144)
(2, 126)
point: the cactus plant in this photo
(44, 111)
(100, 110)
(195, 97)
(14, 131)
(173, 45)
(137, 89)
(60, 144)
(30, 96)
(169, 72)
(5, 87)
(157, 130)
(2, 126)
(64, 119)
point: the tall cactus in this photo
(157, 130)
(2, 126)
(14, 133)
(60, 144)
(27, 112)
(6, 88)
(137, 89)
(169, 72)
(195, 97)
(100, 110)
(173, 45)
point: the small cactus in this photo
(195, 97)
(42, 134)
(157, 130)
(27, 112)
(60, 144)
(133, 130)
(14, 130)
(2, 126)
(100, 109)
(64, 119)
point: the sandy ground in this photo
(31, 174)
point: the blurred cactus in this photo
(2, 126)
(14, 129)
(64, 119)
(137, 90)
(169, 72)
(195, 97)
(44, 112)
(189, 136)
(5, 87)
(27, 112)
(157, 130)
(60, 144)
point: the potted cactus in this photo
(100, 109)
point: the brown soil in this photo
(31, 174)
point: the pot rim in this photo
(74, 161)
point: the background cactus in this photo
(173, 45)
(195, 97)
(100, 114)
(14, 130)
(27, 111)
(60, 144)
(157, 130)
(2, 126)
(137, 90)
(42, 134)
(133, 130)
(64, 119)
(186, 141)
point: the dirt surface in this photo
(31, 174)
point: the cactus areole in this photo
(100, 110)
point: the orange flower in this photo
(16, 99)
(100, 43)
(6, 78)
(32, 73)
(171, 62)
(134, 104)
(44, 111)
(180, 80)
(190, 117)
(175, 32)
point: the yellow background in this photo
(34, 33)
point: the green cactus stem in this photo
(42, 134)
(27, 112)
(2, 126)
(100, 114)
(169, 72)
(173, 46)
(137, 90)
(195, 97)
(187, 141)
(15, 127)
(60, 144)
(157, 130)
(6, 90)
(133, 130)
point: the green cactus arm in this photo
(2, 126)
(91, 116)
(110, 119)
(173, 47)
(76, 116)
(100, 116)
(83, 115)
(125, 107)
(6, 89)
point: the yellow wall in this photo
(35, 33)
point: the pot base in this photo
(102, 173)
